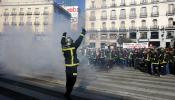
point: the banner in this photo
(135, 45)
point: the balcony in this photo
(122, 17)
(21, 13)
(6, 23)
(169, 36)
(143, 28)
(29, 23)
(154, 1)
(113, 17)
(21, 23)
(113, 30)
(14, 23)
(92, 30)
(36, 23)
(144, 3)
(170, 27)
(133, 3)
(14, 13)
(113, 5)
(103, 29)
(122, 29)
(45, 13)
(169, 13)
(29, 13)
(143, 15)
(103, 17)
(45, 23)
(132, 16)
(6, 14)
(155, 14)
(92, 18)
(154, 28)
(37, 13)
(104, 6)
(122, 4)
(133, 29)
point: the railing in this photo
(104, 6)
(122, 4)
(103, 17)
(113, 5)
(154, 1)
(45, 13)
(169, 37)
(36, 23)
(92, 18)
(6, 23)
(29, 23)
(92, 30)
(143, 3)
(114, 17)
(14, 13)
(103, 30)
(153, 28)
(143, 15)
(21, 23)
(113, 30)
(155, 14)
(133, 29)
(122, 17)
(170, 27)
(143, 28)
(6, 14)
(45, 23)
(21, 13)
(132, 16)
(29, 13)
(122, 30)
(133, 3)
(37, 13)
(169, 13)
(14, 23)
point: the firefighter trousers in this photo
(71, 76)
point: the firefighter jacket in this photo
(69, 53)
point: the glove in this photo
(83, 31)
(64, 34)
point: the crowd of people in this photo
(155, 61)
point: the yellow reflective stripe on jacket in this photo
(74, 74)
(72, 59)
(66, 49)
(155, 63)
(70, 65)
(82, 35)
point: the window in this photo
(113, 36)
(154, 23)
(143, 1)
(154, 35)
(143, 10)
(29, 20)
(132, 13)
(143, 23)
(113, 25)
(132, 23)
(104, 4)
(45, 20)
(104, 36)
(122, 25)
(143, 35)
(155, 11)
(122, 2)
(92, 36)
(170, 34)
(170, 22)
(133, 2)
(92, 45)
(104, 15)
(113, 14)
(170, 8)
(92, 25)
(104, 25)
(93, 4)
(132, 35)
(92, 13)
(122, 14)
(113, 3)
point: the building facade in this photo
(36, 15)
(112, 21)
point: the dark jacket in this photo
(70, 53)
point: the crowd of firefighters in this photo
(155, 61)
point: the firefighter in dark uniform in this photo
(69, 48)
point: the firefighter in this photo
(69, 48)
